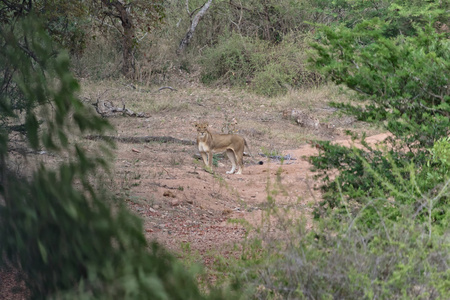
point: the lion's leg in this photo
(239, 172)
(239, 159)
(205, 158)
(210, 160)
(206, 161)
(232, 158)
(240, 163)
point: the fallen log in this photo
(140, 139)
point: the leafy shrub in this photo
(401, 81)
(381, 247)
(435, 176)
(271, 81)
(370, 172)
(343, 262)
(266, 70)
(404, 78)
(231, 61)
(441, 154)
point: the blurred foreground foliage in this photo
(56, 224)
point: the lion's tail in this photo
(251, 155)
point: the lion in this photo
(208, 143)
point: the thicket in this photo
(382, 229)
(269, 38)
(402, 83)
(257, 65)
(341, 258)
(57, 224)
(263, 49)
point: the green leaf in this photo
(31, 126)
(43, 252)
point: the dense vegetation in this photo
(382, 229)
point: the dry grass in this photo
(258, 118)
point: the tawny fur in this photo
(208, 143)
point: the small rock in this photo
(169, 194)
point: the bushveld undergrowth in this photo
(263, 68)
(377, 248)
(382, 229)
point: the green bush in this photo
(401, 84)
(403, 78)
(381, 247)
(271, 80)
(265, 69)
(441, 155)
(231, 61)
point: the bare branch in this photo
(166, 87)
(187, 7)
(187, 38)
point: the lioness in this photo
(208, 143)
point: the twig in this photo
(168, 173)
(166, 87)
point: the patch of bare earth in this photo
(185, 207)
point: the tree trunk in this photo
(187, 38)
(128, 35)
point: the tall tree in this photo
(133, 15)
(63, 18)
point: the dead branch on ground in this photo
(107, 109)
(140, 139)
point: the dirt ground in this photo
(197, 214)
(186, 208)
(184, 205)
